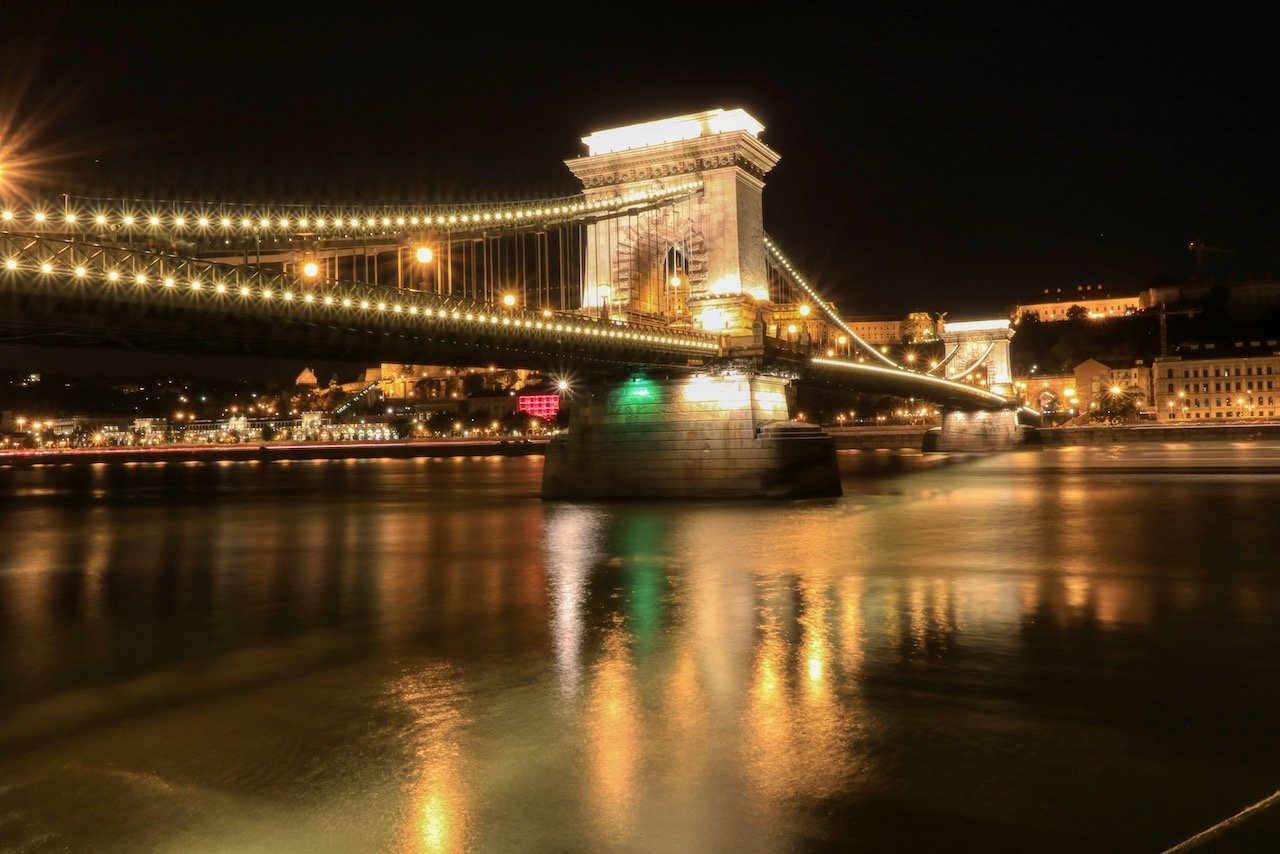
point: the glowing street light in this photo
(310, 269)
(509, 300)
(424, 255)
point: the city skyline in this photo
(937, 162)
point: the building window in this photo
(543, 406)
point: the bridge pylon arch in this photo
(720, 224)
(979, 346)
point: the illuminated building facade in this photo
(544, 406)
(877, 330)
(1217, 383)
(1096, 303)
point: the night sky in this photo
(953, 159)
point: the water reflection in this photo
(957, 647)
(572, 547)
(614, 738)
(438, 810)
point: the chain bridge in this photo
(657, 288)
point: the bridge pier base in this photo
(699, 437)
(977, 431)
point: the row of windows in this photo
(1217, 402)
(1219, 372)
(1199, 387)
(1174, 416)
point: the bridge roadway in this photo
(69, 293)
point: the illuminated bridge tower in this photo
(674, 260)
(978, 351)
(979, 347)
(706, 435)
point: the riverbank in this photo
(909, 437)
(283, 451)
(1242, 431)
(886, 438)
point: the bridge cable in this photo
(825, 307)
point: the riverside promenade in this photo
(264, 451)
(906, 437)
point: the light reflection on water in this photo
(421, 655)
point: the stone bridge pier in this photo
(711, 436)
(978, 431)
(979, 350)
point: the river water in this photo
(1058, 649)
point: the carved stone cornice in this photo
(687, 157)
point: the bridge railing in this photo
(30, 261)
(131, 219)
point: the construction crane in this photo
(1200, 248)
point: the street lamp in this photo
(424, 256)
(603, 292)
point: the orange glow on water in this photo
(614, 736)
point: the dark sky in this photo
(944, 158)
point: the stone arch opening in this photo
(660, 260)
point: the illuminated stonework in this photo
(720, 227)
(703, 436)
(979, 346)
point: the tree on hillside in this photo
(1077, 312)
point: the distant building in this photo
(498, 404)
(1093, 299)
(1219, 382)
(1083, 388)
(1049, 393)
(915, 327)
(1243, 297)
(539, 402)
(307, 379)
(877, 330)
(919, 327)
(1095, 379)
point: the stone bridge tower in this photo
(668, 260)
(979, 344)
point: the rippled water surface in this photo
(1072, 649)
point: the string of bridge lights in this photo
(108, 214)
(276, 290)
(822, 304)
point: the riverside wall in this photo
(913, 437)
(269, 451)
